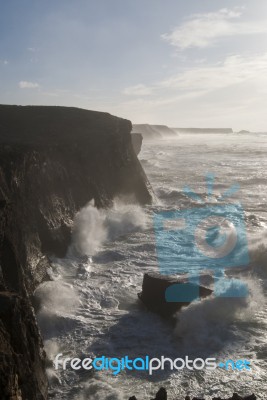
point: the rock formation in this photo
(137, 140)
(152, 132)
(164, 130)
(163, 395)
(53, 160)
(203, 130)
(146, 131)
(159, 293)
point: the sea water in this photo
(90, 308)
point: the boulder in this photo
(159, 293)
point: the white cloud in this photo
(231, 92)
(233, 70)
(137, 90)
(205, 30)
(3, 62)
(28, 85)
(205, 78)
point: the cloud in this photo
(137, 90)
(233, 70)
(205, 30)
(28, 85)
(233, 73)
(3, 62)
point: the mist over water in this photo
(93, 227)
(91, 309)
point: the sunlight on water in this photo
(91, 306)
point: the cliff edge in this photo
(53, 160)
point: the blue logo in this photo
(202, 238)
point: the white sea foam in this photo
(208, 321)
(93, 227)
(110, 320)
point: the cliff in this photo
(146, 131)
(137, 140)
(164, 130)
(53, 160)
(203, 130)
(151, 132)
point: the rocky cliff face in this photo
(53, 160)
(137, 140)
(152, 132)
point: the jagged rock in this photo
(22, 359)
(236, 396)
(137, 140)
(161, 394)
(154, 289)
(53, 161)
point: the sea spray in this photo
(205, 325)
(58, 302)
(93, 227)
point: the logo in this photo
(203, 238)
(116, 365)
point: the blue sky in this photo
(181, 63)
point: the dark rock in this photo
(251, 397)
(154, 292)
(236, 397)
(161, 394)
(137, 140)
(22, 359)
(53, 161)
(243, 131)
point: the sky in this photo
(183, 63)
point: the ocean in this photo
(91, 309)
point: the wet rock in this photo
(155, 288)
(22, 358)
(161, 394)
(53, 161)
